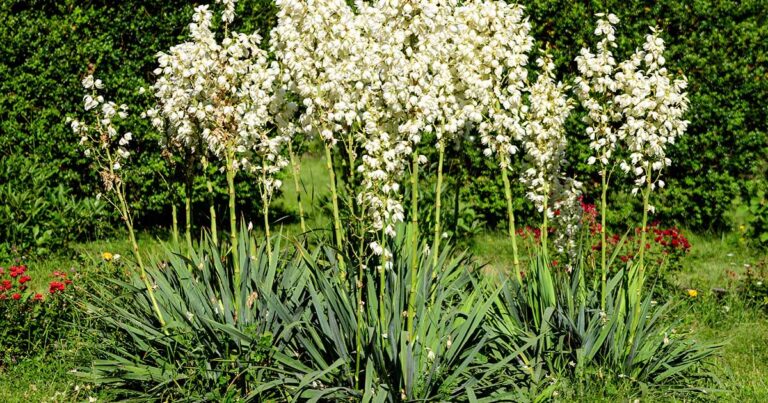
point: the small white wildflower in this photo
(430, 354)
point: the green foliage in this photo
(556, 321)
(46, 47)
(38, 214)
(446, 360)
(218, 337)
(757, 213)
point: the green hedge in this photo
(46, 46)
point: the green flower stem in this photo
(175, 223)
(646, 199)
(359, 306)
(139, 261)
(350, 145)
(188, 205)
(438, 193)
(209, 185)
(511, 217)
(296, 168)
(545, 227)
(233, 223)
(126, 216)
(335, 201)
(414, 243)
(265, 213)
(603, 262)
(382, 285)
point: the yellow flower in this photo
(107, 256)
(692, 293)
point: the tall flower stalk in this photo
(493, 43)
(211, 198)
(109, 150)
(296, 174)
(653, 102)
(218, 94)
(544, 141)
(596, 89)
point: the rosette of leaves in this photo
(555, 322)
(445, 362)
(210, 349)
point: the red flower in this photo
(56, 286)
(38, 297)
(7, 284)
(17, 271)
(23, 279)
(16, 296)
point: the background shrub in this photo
(39, 215)
(47, 46)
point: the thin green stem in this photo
(511, 217)
(137, 254)
(545, 227)
(646, 203)
(265, 213)
(296, 168)
(211, 198)
(603, 261)
(438, 200)
(233, 224)
(414, 244)
(335, 201)
(383, 285)
(359, 335)
(188, 205)
(175, 224)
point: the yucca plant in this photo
(210, 348)
(344, 351)
(555, 322)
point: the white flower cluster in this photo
(99, 135)
(596, 89)
(653, 103)
(391, 71)
(567, 215)
(222, 96)
(544, 140)
(321, 52)
(492, 45)
(637, 103)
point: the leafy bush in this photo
(31, 321)
(47, 47)
(351, 352)
(39, 214)
(556, 321)
(757, 213)
(219, 336)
